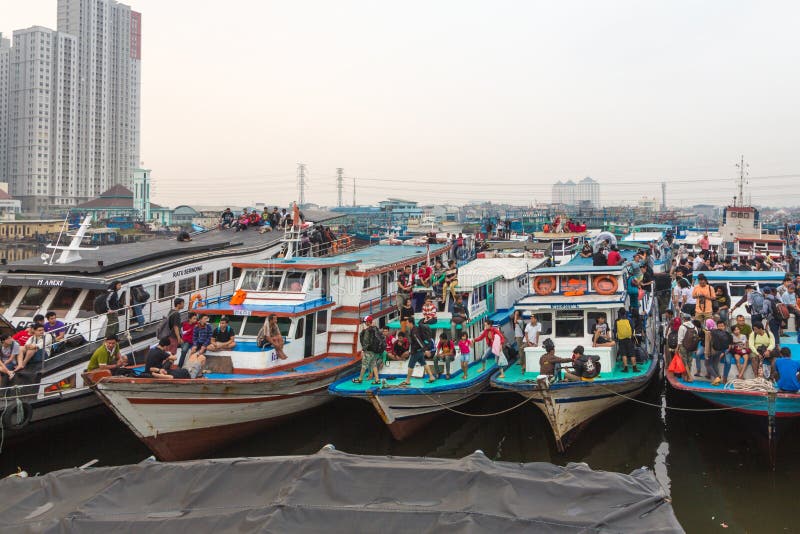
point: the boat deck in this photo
(346, 386)
(322, 364)
(516, 376)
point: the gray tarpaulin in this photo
(335, 492)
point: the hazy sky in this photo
(459, 100)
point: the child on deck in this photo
(465, 357)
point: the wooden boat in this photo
(493, 284)
(567, 320)
(318, 302)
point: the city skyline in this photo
(490, 101)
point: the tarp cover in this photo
(334, 492)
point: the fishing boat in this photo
(69, 278)
(491, 286)
(567, 316)
(318, 302)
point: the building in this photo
(585, 193)
(30, 230)
(108, 80)
(119, 201)
(5, 59)
(564, 193)
(42, 111)
(9, 207)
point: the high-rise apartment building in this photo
(42, 119)
(109, 78)
(587, 191)
(5, 58)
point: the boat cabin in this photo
(567, 300)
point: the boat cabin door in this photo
(384, 284)
(308, 350)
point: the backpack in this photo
(691, 339)
(101, 303)
(378, 344)
(672, 339)
(163, 327)
(139, 294)
(587, 366)
(624, 330)
(783, 310)
(720, 339)
(757, 302)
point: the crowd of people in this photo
(30, 346)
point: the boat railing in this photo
(379, 304)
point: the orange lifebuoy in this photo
(544, 285)
(605, 284)
(196, 301)
(238, 297)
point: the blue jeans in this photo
(699, 356)
(185, 348)
(728, 360)
(138, 315)
(712, 364)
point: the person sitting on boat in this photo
(586, 251)
(222, 337)
(623, 331)
(599, 258)
(202, 333)
(450, 280)
(786, 372)
(494, 345)
(406, 316)
(372, 346)
(107, 356)
(36, 349)
(437, 279)
(548, 361)
(276, 337)
(159, 363)
(445, 350)
(242, 221)
(600, 333)
(421, 343)
(9, 358)
(183, 236)
(762, 339)
(226, 219)
(400, 346)
(740, 350)
(614, 257)
(586, 367)
(429, 312)
(187, 333)
(54, 327)
(424, 274)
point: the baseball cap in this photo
(368, 319)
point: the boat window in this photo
(87, 306)
(271, 280)
(366, 282)
(186, 285)
(736, 290)
(205, 280)
(592, 320)
(301, 326)
(7, 294)
(223, 275)
(293, 282)
(63, 301)
(284, 323)
(546, 320)
(237, 272)
(33, 299)
(569, 324)
(250, 279)
(253, 325)
(166, 290)
(322, 321)
(234, 321)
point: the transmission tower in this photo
(301, 183)
(743, 174)
(339, 184)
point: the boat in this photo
(319, 303)
(653, 237)
(734, 283)
(567, 317)
(492, 285)
(69, 278)
(336, 492)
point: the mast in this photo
(743, 173)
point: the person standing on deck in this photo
(421, 343)
(490, 334)
(704, 296)
(624, 334)
(519, 328)
(450, 281)
(113, 306)
(405, 284)
(688, 339)
(372, 344)
(460, 316)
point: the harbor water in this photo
(714, 468)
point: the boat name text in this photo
(188, 270)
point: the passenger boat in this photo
(734, 283)
(492, 286)
(68, 281)
(318, 302)
(567, 317)
(647, 234)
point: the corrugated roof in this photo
(482, 270)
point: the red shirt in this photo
(187, 329)
(22, 337)
(614, 258)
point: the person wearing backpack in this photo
(717, 344)
(586, 367)
(372, 344)
(624, 333)
(753, 301)
(688, 339)
(109, 304)
(170, 326)
(772, 316)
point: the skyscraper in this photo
(109, 78)
(41, 118)
(5, 58)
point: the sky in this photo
(456, 101)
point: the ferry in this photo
(567, 316)
(655, 236)
(69, 278)
(318, 302)
(734, 283)
(491, 285)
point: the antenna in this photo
(301, 183)
(70, 253)
(743, 173)
(339, 184)
(663, 196)
(354, 192)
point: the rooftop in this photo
(483, 270)
(118, 196)
(367, 257)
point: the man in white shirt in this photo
(532, 331)
(36, 348)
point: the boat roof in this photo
(483, 270)
(332, 491)
(365, 259)
(653, 226)
(694, 238)
(735, 276)
(97, 268)
(580, 264)
(643, 236)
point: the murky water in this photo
(712, 466)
